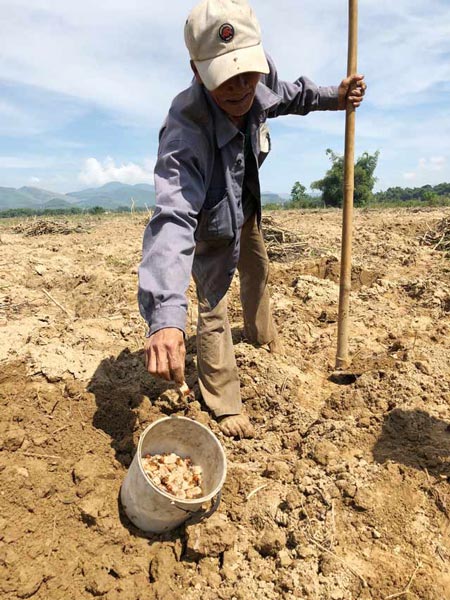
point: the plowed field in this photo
(344, 493)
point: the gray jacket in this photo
(198, 181)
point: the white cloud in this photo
(62, 144)
(426, 169)
(104, 54)
(409, 176)
(34, 180)
(134, 61)
(127, 64)
(432, 163)
(30, 111)
(437, 163)
(96, 173)
(26, 162)
(16, 120)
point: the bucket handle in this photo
(198, 516)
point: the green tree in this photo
(430, 197)
(332, 185)
(298, 193)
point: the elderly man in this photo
(208, 207)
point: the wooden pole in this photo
(342, 357)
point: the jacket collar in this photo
(225, 129)
(265, 97)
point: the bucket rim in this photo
(173, 499)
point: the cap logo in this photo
(226, 32)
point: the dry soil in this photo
(343, 494)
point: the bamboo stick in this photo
(342, 357)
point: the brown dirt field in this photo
(355, 470)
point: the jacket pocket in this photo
(215, 223)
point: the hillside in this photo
(109, 196)
(12, 198)
(115, 194)
(271, 198)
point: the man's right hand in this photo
(165, 354)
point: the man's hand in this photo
(351, 92)
(165, 354)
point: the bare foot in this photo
(276, 347)
(238, 426)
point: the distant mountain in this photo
(43, 196)
(58, 203)
(145, 186)
(109, 196)
(12, 198)
(270, 198)
(115, 194)
(31, 197)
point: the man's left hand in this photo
(351, 92)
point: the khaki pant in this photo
(217, 370)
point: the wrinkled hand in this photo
(351, 92)
(165, 354)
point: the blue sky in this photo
(84, 88)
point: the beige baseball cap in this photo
(224, 39)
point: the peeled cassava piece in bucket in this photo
(174, 475)
(151, 508)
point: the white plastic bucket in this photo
(152, 509)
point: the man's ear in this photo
(196, 73)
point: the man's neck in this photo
(239, 122)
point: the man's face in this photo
(235, 96)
